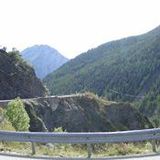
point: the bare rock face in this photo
(83, 114)
(17, 79)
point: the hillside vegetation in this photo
(125, 69)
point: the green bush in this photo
(4, 123)
(17, 115)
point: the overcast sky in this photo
(74, 26)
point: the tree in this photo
(17, 115)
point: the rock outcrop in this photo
(83, 113)
(17, 79)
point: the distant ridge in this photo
(44, 59)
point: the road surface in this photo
(13, 157)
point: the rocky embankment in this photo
(83, 113)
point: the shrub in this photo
(4, 123)
(17, 115)
(59, 129)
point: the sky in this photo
(74, 26)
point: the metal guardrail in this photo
(3, 103)
(82, 138)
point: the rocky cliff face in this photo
(17, 79)
(83, 113)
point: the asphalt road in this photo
(148, 157)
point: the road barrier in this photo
(82, 138)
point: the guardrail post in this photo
(89, 149)
(33, 148)
(154, 145)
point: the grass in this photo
(78, 150)
(100, 100)
(17, 147)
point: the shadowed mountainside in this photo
(17, 79)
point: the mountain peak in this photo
(44, 59)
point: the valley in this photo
(113, 87)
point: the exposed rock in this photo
(17, 79)
(83, 114)
(36, 124)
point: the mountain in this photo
(44, 59)
(17, 79)
(83, 113)
(124, 69)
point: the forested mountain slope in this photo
(17, 79)
(122, 69)
(44, 59)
